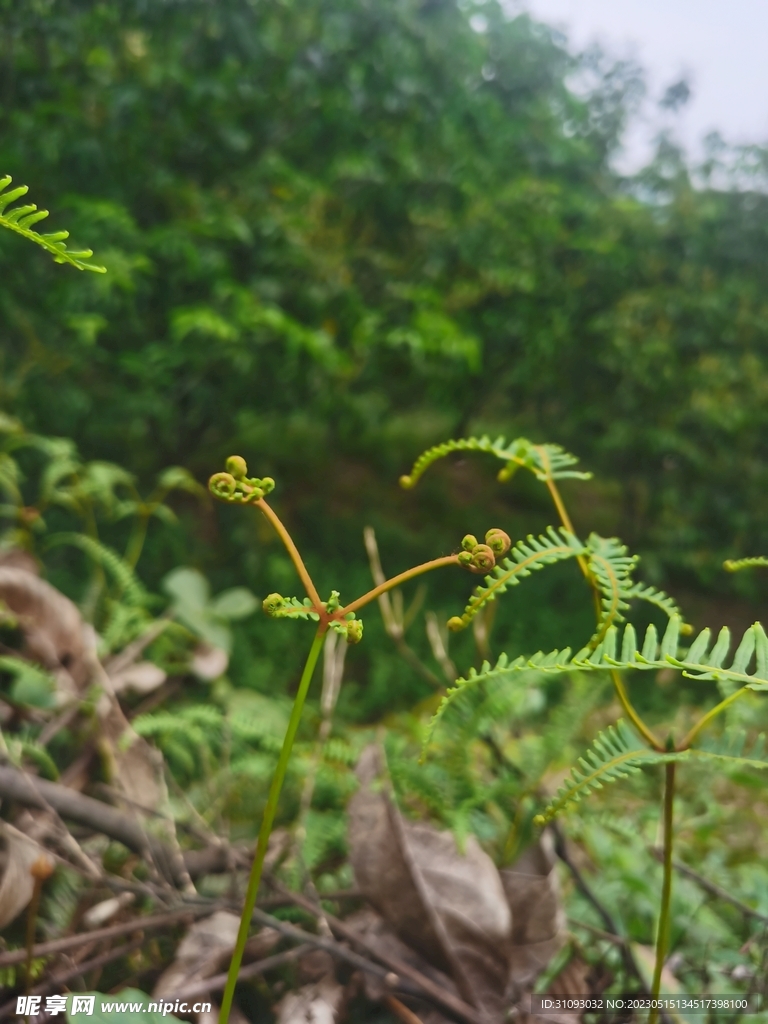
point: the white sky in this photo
(721, 46)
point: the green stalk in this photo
(662, 936)
(266, 826)
(136, 540)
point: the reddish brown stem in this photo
(409, 574)
(293, 551)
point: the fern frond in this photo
(611, 569)
(503, 670)
(545, 461)
(439, 451)
(526, 557)
(731, 746)
(660, 599)
(21, 218)
(698, 662)
(127, 581)
(278, 607)
(615, 754)
(736, 565)
(339, 751)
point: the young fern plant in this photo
(234, 486)
(620, 750)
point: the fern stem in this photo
(662, 937)
(403, 577)
(266, 824)
(293, 551)
(688, 739)
(639, 724)
(565, 519)
(136, 540)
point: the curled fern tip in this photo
(234, 485)
(222, 485)
(237, 466)
(498, 541)
(354, 631)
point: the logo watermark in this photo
(34, 1006)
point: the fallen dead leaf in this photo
(538, 919)
(317, 1003)
(200, 953)
(206, 949)
(378, 934)
(447, 904)
(51, 625)
(21, 855)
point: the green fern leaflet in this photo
(21, 219)
(736, 565)
(545, 461)
(611, 569)
(126, 579)
(278, 607)
(617, 753)
(661, 600)
(700, 661)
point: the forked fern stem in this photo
(639, 724)
(618, 683)
(662, 936)
(266, 825)
(710, 716)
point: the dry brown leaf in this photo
(17, 558)
(318, 1003)
(51, 625)
(206, 949)
(573, 980)
(377, 933)
(538, 919)
(57, 637)
(141, 677)
(135, 768)
(200, 953)
(447, 904)
(20, 854)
